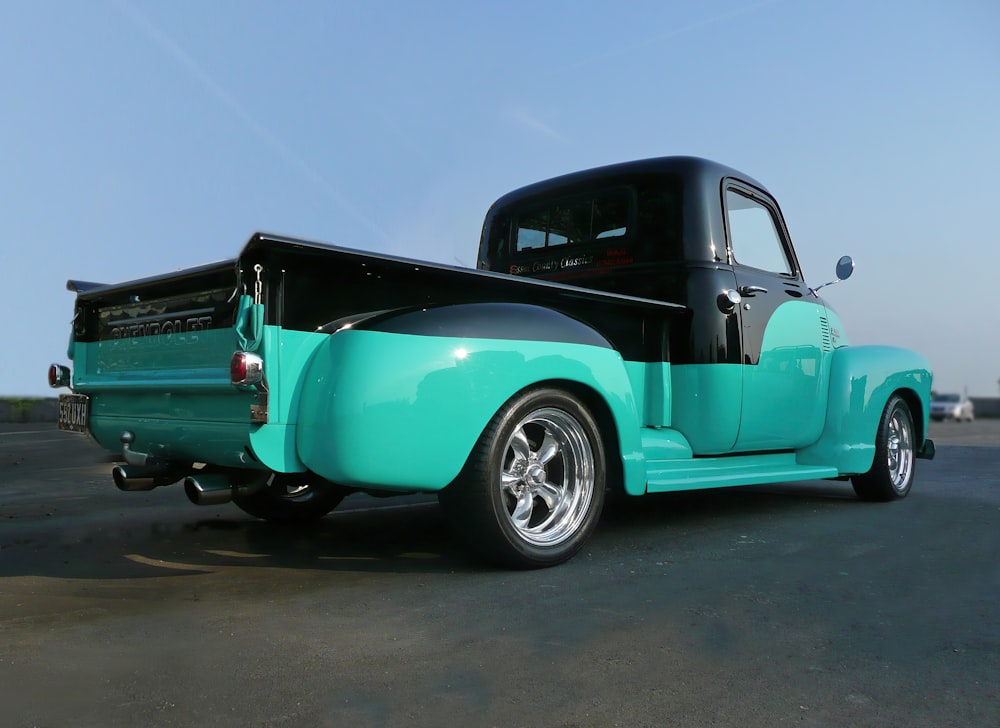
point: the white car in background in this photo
(956, 407)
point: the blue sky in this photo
(140, 137)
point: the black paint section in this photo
(311, 287)
(507, 321)
(187, 300)
(676, 250)
(652, 296)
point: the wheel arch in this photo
(862, 381)
(917, 412)
(599, 408)
(606, 425)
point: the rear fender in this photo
(399, 401)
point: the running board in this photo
(723, 472)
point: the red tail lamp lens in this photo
(58, 376)
(246, 368)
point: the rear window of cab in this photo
(597, 228)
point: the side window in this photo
(754, 235)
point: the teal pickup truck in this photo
(643, 327)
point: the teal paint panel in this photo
(216, 442)
(664, 444)
(165, 388)
(172, 391)
(170, 385)
(274, 446)
(736, 470)
(194, 405)
(403, 412)
(195, 356)
(707, 402)
(636, 372)
(838, 335)
(81, 365)
(287, 356)
(785, 393)
(657, 399)
(862, 378)
(651, 384)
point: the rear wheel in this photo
(533, 489)
(891, 474)
(291, 498)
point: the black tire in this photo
(291, 498)
(533, 488)
(891, 474)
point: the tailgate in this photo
(153, 357)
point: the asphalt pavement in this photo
(766, 606)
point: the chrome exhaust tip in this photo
(130, 478)
(210, 489)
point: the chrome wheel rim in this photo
(899, 449)
(547, 477)
(290, 487)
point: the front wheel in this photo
(533, 488)
(291, 498)
(891, 474)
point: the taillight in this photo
(246, 369)
(58, 376)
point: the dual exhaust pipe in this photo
(203, 489)
(143, 471)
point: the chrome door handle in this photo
(728, 300)
(751, 290)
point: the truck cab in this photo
(750, 360)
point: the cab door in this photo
(784, 346)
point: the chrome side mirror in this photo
(845, 268)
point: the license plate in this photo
(74, 412)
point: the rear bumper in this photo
(171, 440)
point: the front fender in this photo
(862, 378)
(403, 411)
